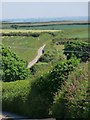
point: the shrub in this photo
(13, 67)
(72, 101)
(61, 71)
(79, 49)
(52, 56)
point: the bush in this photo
(13, 67)
(79, 49)
(72, 101)
(52, 56)
(61, 71)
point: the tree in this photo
(13, 67)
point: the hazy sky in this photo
(43, 9)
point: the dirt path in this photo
(30, 64)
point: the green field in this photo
(27, 47)
(45, 26)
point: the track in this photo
(40, 52)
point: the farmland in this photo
(55, 77)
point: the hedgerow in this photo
(79, 49)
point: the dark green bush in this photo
(13, 67)
(79, 49)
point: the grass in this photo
(26, 47)
(81, 33)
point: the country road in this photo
(40, 52)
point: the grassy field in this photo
(26, 47)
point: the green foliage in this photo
(79, 49)
(44, 88)
(39, 97)
(52, 56)
(72, 101)
(61, 71)
(13, 67)
(14, 96)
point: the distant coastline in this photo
(62, 19)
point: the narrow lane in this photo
(40, 52)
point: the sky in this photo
(15, 10)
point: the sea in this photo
(20, 20)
